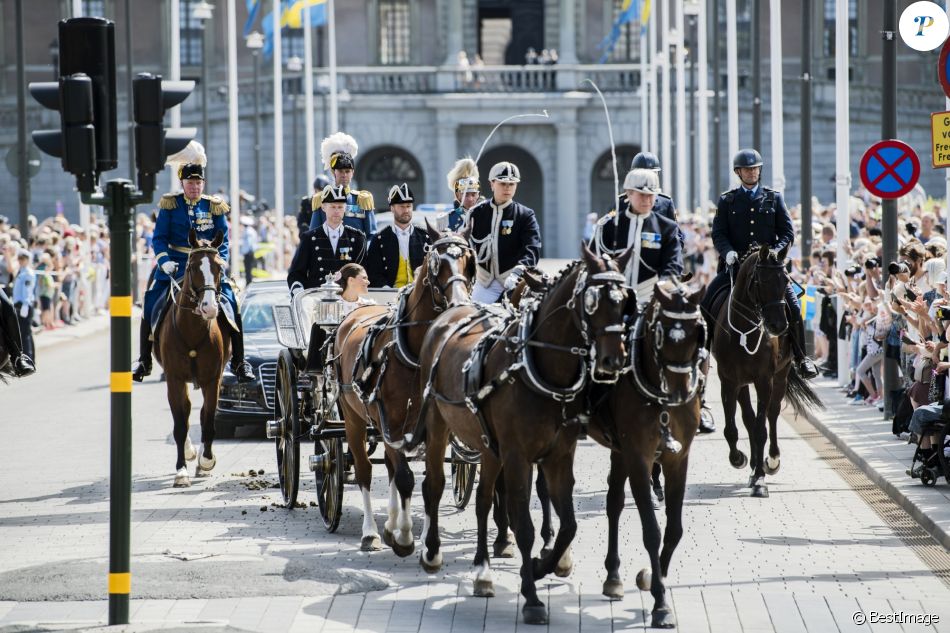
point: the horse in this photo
(521, 401)
(378, 363)
(751, 346)
(650, 416)
(192, 347)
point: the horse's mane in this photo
(563, 275)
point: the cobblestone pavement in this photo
(220, 556)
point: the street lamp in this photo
(203, 11)
(294, 67)
(254, 43)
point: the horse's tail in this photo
(800, 394)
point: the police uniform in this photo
(387, 262)
(504, 237)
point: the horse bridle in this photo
(754, 279)
(457, 247)
(193, 294)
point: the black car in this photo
(253, 403)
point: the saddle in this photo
(167, 299)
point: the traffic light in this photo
(75, 141)
(85, 98)
(153, 143)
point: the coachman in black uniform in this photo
(754, 214)
(664, 204)
(328, 247)
(398, 250)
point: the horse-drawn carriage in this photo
(306, 407)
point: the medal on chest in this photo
(344, 253)
(200, 218)
(506, 226)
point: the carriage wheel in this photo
(330, 481)
(463, 480)
(286, 410)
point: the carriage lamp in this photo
(329, 307)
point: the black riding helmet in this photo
(645, 160)
(746, 158)
(320, 182)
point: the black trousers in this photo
(10, 325)
(26, 331)
(249, 264)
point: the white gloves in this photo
(295, 288)
(512, 280)
(24, 310)
(731, 257)
(169, 268)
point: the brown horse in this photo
(651, 415)
(521, 400)
(378, 370)
(752, 347)
(192, 347)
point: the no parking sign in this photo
(890, 169)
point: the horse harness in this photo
(756, 309)
(193, 295)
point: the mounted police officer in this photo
(754, 214)
(328, 247)
(178, 214)
(657, 253)
(10, 332)
(505, 235)
(664, 204)
(338, 152)
(397, 250)
(463, 183)
(306, 204)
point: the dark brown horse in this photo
(651, 415)
(192, 347)
(379, 379)
(752, 347)
(513, 385)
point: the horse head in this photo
(203, 272)
(673, 331)
(449, 268)
(767, 280)
(601, 311)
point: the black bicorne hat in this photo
(401, 194)
(342, 160)
(191, 170)
(334, 193)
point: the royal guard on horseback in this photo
(463, 183)
(10, 339)
(180, 213)
(752, 214)
(338, 152)
(328, 247)
(398, 250)
(505, 235)
(657, 253)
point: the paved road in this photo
(221, 554)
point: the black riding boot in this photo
(804, 365)
(143, 366)
(22, 364)
(239, 365)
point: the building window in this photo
(627, 46)
(291, 43)
(383, 167)
(394, 32)
(94, 8)
(190, 33)
(828, 35)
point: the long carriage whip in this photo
(613, 148)
(543, 114)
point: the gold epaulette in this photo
(168, 201)
(364, 200)
(316, 201)
(218, 205)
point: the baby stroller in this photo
(930, 465)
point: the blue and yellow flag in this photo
(253, 8)
(630, 10)
(808, 302)
(291, 17)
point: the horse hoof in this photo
(190, 453)
(504, 550)
(205, 466)
(181, 478)
(388, 538)
(535, 614)
(772, 465)
(644, 579)
(760, 491)
(484, 589)
(370, 543)
(430, 566)
(752, 479)
(402, 551)
(613, 589)
(663, 618)
(564, 566)
(738, 460)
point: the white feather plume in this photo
(193, 154)
(463, 168)
(336, 143)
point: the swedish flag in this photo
(629, 11)
(291, 16)
(808, 302)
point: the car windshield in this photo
(256, 312)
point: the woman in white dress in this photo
(355, 283)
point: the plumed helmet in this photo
(400, 194)
(338, 151)
(642, 180)
(189, 162)
(747, 158)
(645, 160)
(464, 169)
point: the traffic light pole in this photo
(888, 131)
(119, 200)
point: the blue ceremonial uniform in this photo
(176, 217)
(456, 217)
(359, 212)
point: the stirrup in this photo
(141, 370)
